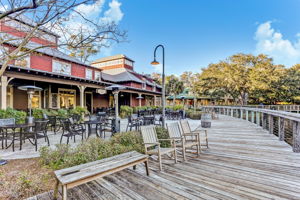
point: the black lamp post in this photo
(155, 62)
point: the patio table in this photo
(90, 124)
(13, 127)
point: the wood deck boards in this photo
(243, 162)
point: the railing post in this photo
(231, 112)
(252, 116)
(281, 127)
(264, 121)
(242, 114)
(258, 118)
(296, 137)
(247, 115)
(271, 124)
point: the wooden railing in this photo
(287, 108)
(285, 125)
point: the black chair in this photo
(38, 131)
(71, 130)
(53, 123)
(76, 118)
(133, 121)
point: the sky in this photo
(196, 33)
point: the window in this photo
(144, 85)
(88, 73)
(61, 67)
(154, 88)
(110, 63)
(36, 100)
(128, 62)
(97, 76)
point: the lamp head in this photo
(154, 62)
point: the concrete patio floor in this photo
(28, 150)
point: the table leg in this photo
(147, 167)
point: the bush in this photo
(78, 110)
(38, 113)
(64, 156)
(193, 114)
(62, 113)
(125, 111)
(162, 133)
(20, 116)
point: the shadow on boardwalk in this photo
(243, 162)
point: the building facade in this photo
(66, 81)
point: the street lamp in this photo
(155, 62)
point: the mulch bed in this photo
(24, 178)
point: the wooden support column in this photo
(81, 91)
(140, 99)
(252, 116)
(296, 137)
(281, 127)
(155, 100)
(3, 92)
(271, 124)
(231, 112)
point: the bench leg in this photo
(147, 167)
(134, 167)
(64, 192)
(56, 190)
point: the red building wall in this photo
(17, 33)
(78, 70)
(41, 62)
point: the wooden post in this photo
(281, 127)
(258, 118)
(271, 124)
(264, 121)
(252, 116)
(140, 99)
(247, 115)
(296, 137)
(3, 92)
(81, 91)
(231, 111)
(241, 114)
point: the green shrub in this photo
(78, 110)
(125, 111)
(37, 113)
(20, 116)
(162, 133)
(93, 149)
(51, 112)
(193, 114)
(63, 113)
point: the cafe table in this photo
(13, 127)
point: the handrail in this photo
(261, 117)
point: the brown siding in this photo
(20, 99)
(100, 100)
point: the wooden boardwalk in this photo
(243, 162)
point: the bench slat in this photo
(82, 172)
(97, 162)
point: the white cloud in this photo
(114, 13)
(90, 9)
(272, 43)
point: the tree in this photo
(241, 76)
(80, 34)
(174, 86)
(156, 77)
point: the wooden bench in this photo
(80, 174)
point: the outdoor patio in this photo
(28, 150)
